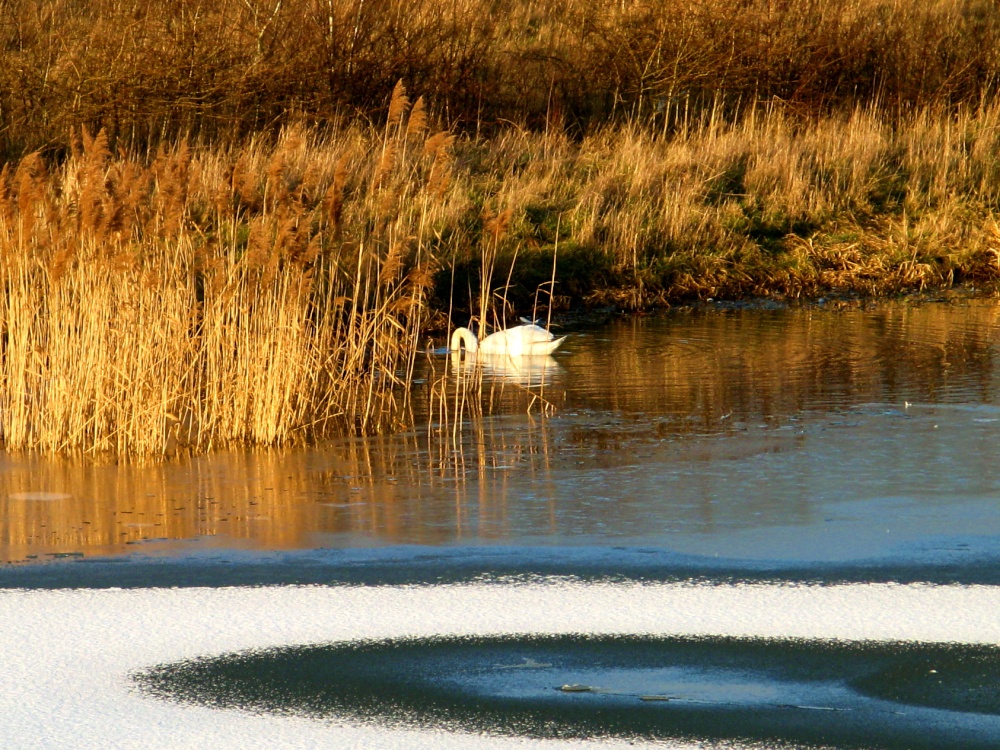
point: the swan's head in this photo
(464, 337)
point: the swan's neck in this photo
(464, 337)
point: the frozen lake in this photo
(794, 476)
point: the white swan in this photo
(519, 341)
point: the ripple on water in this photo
(39, 496)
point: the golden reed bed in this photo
(201, 299)
(200, 296)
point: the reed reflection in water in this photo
(698, 431)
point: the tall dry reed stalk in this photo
(198, 299)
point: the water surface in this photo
(754, 434)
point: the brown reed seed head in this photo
(416, 126)
(333, 208)
(440, 141)
(30, 179)
(398, 103)
(333, 200)
(495, 226)
(393, 263)
(8, 201)
(244, 183)
(277, 184)
(385, 165)
(94, 189)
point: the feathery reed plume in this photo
(495, 225)
(93, 189)
(30, 180)
(416, 126)
(438, 147)
(385, 165)
(75, 143)
(306, 192)
(276, 191)
(397, 105)
(440, 141)
(244, 184)
(8, 202)
(133, 186)
(172, 174)
(392, 264)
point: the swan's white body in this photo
(519, 341)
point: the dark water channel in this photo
(801, 434)
(828, 694)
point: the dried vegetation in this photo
(205, 239)
(220, 70)
(202, 299)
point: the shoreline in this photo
(159, 292)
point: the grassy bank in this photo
(770, 205)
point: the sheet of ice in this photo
(66, 655)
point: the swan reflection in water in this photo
(528, 370)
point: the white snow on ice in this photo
(66, 655)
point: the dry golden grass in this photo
(770, 205)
